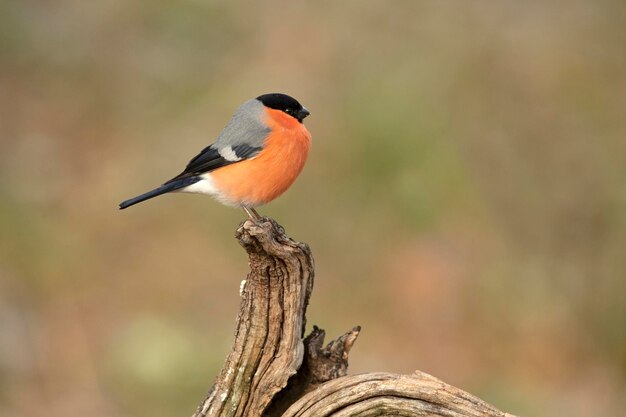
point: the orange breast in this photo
(257, 181)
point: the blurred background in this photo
(464, 199)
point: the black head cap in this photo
(284, 103)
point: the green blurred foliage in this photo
(465, 188)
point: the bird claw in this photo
(252, 214)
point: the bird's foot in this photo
(252, 214)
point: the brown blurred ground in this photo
(466, 190)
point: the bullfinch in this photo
(255, 158)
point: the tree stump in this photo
(272, 370)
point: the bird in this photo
(257, 156)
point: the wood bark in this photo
(272, 370)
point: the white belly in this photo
(207, 186)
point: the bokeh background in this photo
(465, 197)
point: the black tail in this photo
(172, 185)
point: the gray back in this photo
(247, 127)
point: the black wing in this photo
(210, 159)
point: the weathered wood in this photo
(321, 364)
(386, 394)
(268, 347)
(272, 370)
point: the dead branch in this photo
(272, 370)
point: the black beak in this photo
(302, 113)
